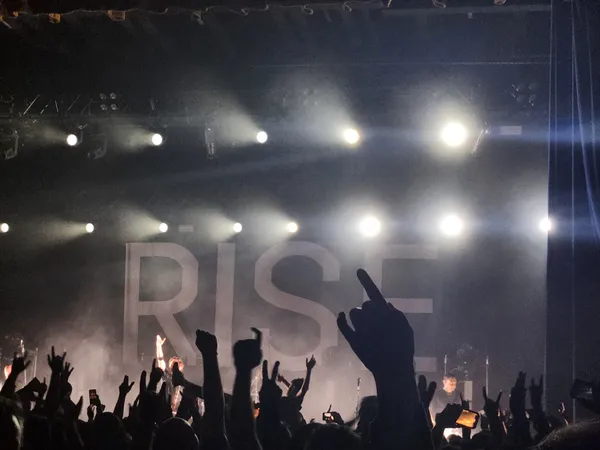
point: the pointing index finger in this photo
(370, 288)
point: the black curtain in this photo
(573, 286)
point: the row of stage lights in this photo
(453, 134)
(370, 226)
(350, 135)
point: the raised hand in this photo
(563, 413)
(56, 361)
(206, 342)
(143, 386)
(270, 394)
(382, 337)
(448, 417)
(68, 370)
(536, 392)
(125, 387)
(333, 417)
(71, 410)
(164, 405)
(155, 376)
(426, 391)
(311, 363)
(19, 365)
(247, 354)
(90, 413)
(518, 396)
(177, 376)
(491, 407)
(37, 386)
(41, 387)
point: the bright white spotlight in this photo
(261, 137)
(163, 227)
(454, 134)
(72, 140)
(4, 228)
(351, 136)
(237, 227)
(370, 226)
(451, 225)
(545, 225)
(89, 228)
(291, 227)
(156, 139)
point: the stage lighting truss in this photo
(210, 140)
(98, 144)
(9, 143)
(100, 108)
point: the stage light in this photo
(370, 226)
(210, 139)
(262, 137)
(545, 225)
(351, 136)
(156, 139)
(72, 140)
(454, 134)
(237, 227)
(4, 228)
(89, 228)
(163, 227)
(291, 227)
(451, 225)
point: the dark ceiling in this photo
(183, 49)
(482, 51)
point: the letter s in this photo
(265, 288)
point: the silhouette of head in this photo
(333, 437)
(366, 413)
(175, 433)
(301, 437)
(295, 387)
(579, 436)
(109, 432)
(11, 425)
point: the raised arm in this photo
(518, 398)
(124, 389)
(19, 365)
(310, 365)
(247, 355)
(190, 389)
(383, 340)
(53, 399)
(213, 431)
(492, 412)
(538, 416)
(273, 434)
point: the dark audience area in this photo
(162, 410)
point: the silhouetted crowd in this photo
(43, 416)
